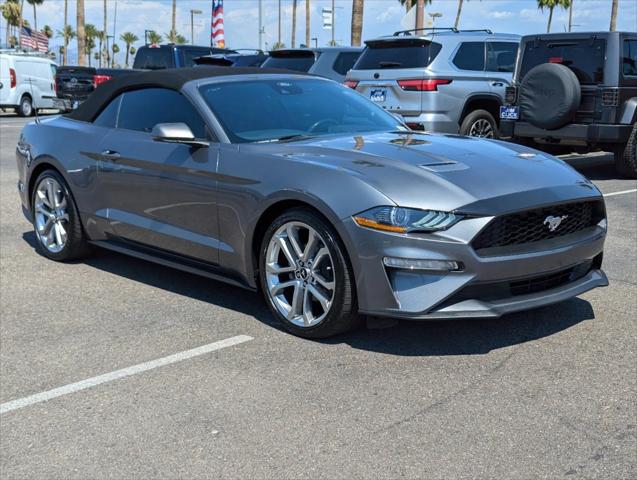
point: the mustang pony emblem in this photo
(554, 222)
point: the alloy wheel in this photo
(299, 273)
(481, 128)
(51, 215)
(27, 108)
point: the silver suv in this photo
(450, 81)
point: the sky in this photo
(381, 17)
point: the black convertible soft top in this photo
(173, 78)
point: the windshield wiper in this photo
(292, 138)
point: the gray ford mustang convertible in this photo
(302, 188)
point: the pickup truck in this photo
(75, 84)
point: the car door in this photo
(501, 57)
(160, 195)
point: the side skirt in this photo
(169, 259)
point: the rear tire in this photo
(297, 287)
(480, 124)
(56, 221)
(25, 108)
(626, 156)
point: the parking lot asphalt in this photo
(548, 393)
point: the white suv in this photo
(447, 80)
(27, 83)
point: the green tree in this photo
(154, 38)
(551, 4)
(67, 33)
(128, 38)
(278, 46)
(48, 31)
(115, 49)
(35, 3)
(11, 13)
(91, 34)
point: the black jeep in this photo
(576, 91)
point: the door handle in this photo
(498, 84)
(111, 155)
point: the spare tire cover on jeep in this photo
(549, 96)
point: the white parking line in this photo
(124, 372)
(612, 194)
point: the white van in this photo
(27, 82)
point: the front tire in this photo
(305, 276)
(56, 220)
(25, 108)
(480, 124)
(626, 156)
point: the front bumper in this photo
(411, 294)
(589, 133)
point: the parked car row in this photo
(562, 92)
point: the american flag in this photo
(217, 38)
(34, 40)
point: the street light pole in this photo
(333, 22)
(261, 31)
(192, 24)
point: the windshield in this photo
(284, 110)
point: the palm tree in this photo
(35, 3)
(11, 13)
(458, 14)
(173, 27)
(307, 23)
(176, 38)
(47, 31)
(420, 4)
(105, 51)
(91, 34)
(293, 42)
(357, 21)
(407, 3)
(551, 4)
(115, 49)
(81, 33)
(66, 24)
(154, 38)
(613, 15)
(128, 38)
(67, 33)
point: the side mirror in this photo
(176, 133)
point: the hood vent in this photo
(444, 166)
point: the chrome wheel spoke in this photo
(322, 299)
(287, 251)
(275, 289)
(50, 193)
(297, 301)
(46, 228)
(291, 234)
(308, 316)
(309, 247)
(328, 285)
(277, 269)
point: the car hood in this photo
(448, 172)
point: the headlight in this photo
(403, 220)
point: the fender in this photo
(479, 97)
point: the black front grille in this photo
(493, 291)
(532, 225)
